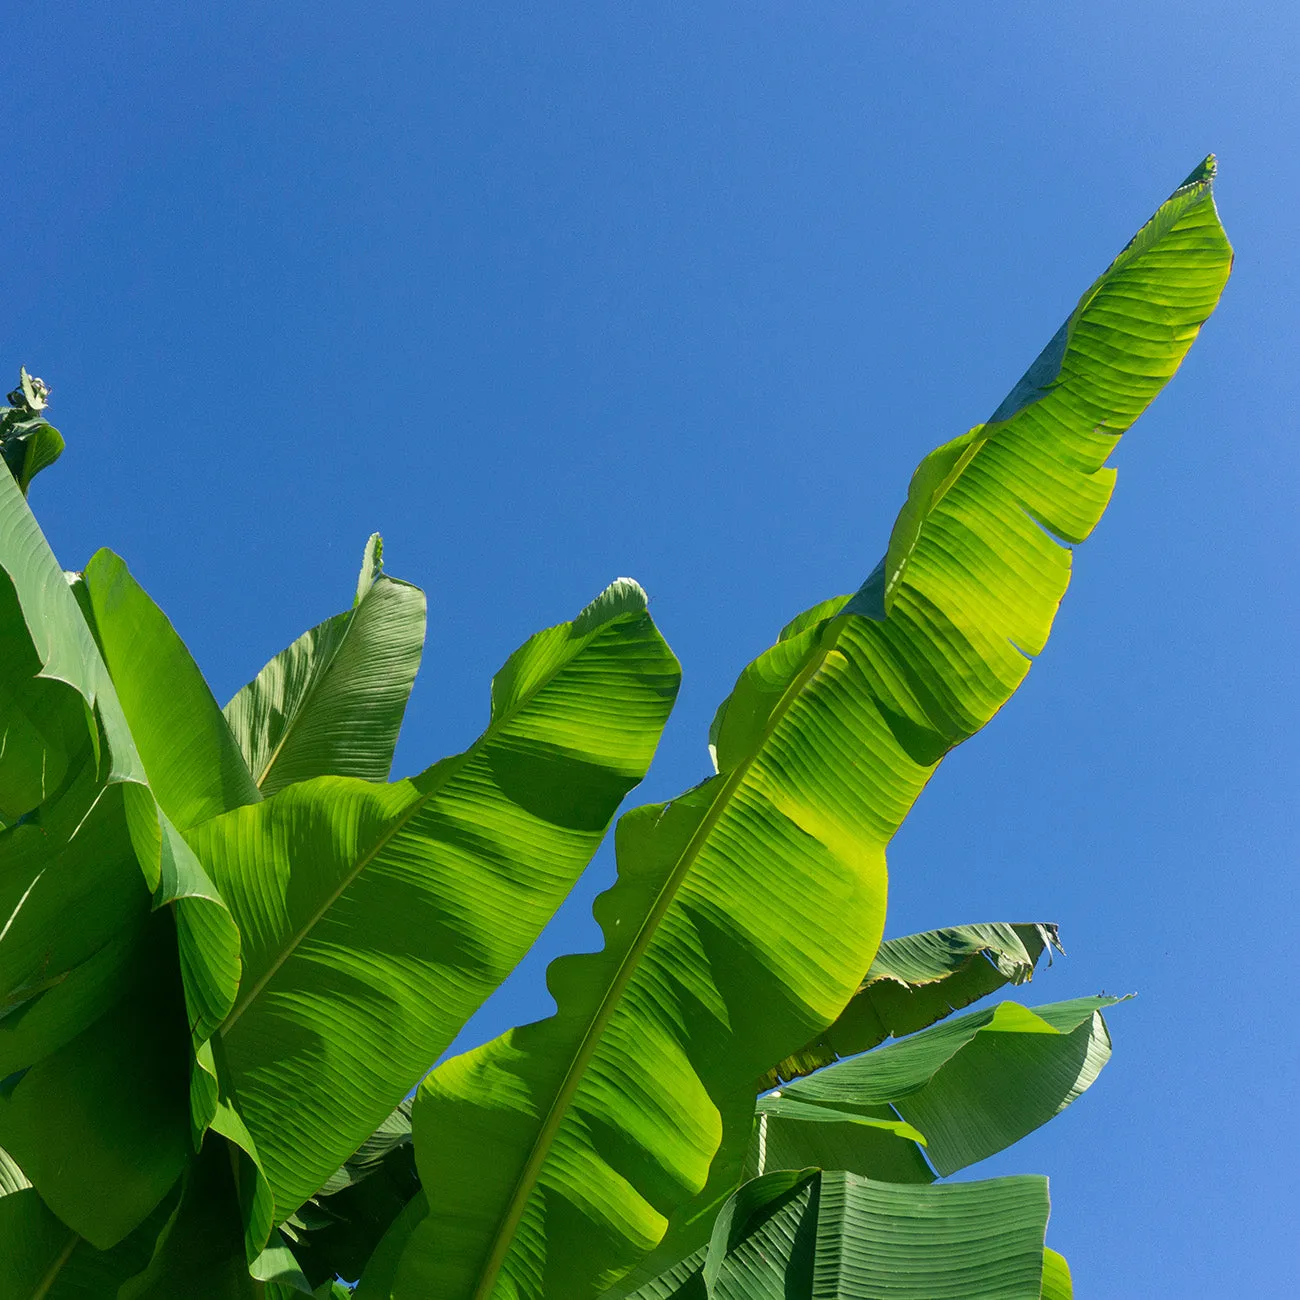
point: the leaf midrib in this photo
(312, 691)
(573, 1077)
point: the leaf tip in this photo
(372, 566)
(622, 596)
(1202, 174)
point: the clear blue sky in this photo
(552, 293)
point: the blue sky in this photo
(550, 294)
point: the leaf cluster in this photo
(233, 946)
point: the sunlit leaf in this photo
(747, 911)
(376, 918)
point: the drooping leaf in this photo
(376, 918)
(972, 1085)
(747, 911)
(63, 646)
(49, 659)
(45, 728)
(190, 769)
(74, 911)
(331, 704)
(834, 1236)
(866, 1139)
(919, 979)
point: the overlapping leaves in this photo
(327, 932)
(825, 1235)
(747, 910)
(918, 979)
(376, 918)
(959, 1092)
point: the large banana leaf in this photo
(331, 704)
(809, 1235)
(746, 911)
(918, 979)
(195, 772)
(377, 918)
(64, 651)
(972, 1085)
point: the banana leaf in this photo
(41, 1258)
(199, 1251)
(972, 1086)
(331, 704)
(1057, 1282)
(82, 965)
(919, 979)
(747, 911)
(377, 918)
(812, 1235)
(337, 1230)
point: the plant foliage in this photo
(232, 946)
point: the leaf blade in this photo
(844, 721)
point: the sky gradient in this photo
(550, 294)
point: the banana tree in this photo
(232, 946)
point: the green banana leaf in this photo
(973, 1086)
(813, 1235)
(62, 646)
(1057, 1282)
(919, 979)
(199, 1250)
(82, 966)
(337, 1230)
(868, 1140)
(331, 704)
(195, 771)
(747, 911)
(107, 1110)
(377, 918)
(43, 1259)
